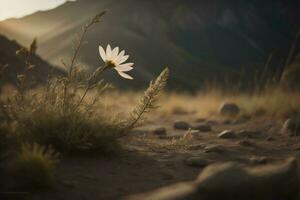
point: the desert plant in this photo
(34, 167)
(148, 101)
(61, 114)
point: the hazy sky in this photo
(19, 8)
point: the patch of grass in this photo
(73, 132)
(34, 167)
(272, 102)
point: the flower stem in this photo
(91, 82)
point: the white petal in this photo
(114, 53)
(125, 67)
(121, 54)
(122, 59)
(108, 52)
(126, 76)
(102, 53)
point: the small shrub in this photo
(76, 132)
(34, 167)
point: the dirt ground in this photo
(149, 161)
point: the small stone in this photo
(160, 131)
(291, 127)
(234, 181)
(181, 125)
(230, 109)
(203, 127)
(227, 134)
(196, 162)
(258, 160)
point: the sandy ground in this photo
(148, 161)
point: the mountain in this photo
(198, 39)
(12, 65)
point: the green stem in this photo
(91, 83)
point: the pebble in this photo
(196, 162)
(230, 109)
(291, 127)
(227, 134)
(160, 131)
(203, 127)
(181, 125)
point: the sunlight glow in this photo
(20, 8)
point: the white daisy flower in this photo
(115, 59)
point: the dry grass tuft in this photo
(272, 102)
(34, 167)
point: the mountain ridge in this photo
(15, 64)
(198, 39)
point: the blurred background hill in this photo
(198, 39)
(12, 64)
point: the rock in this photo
(230, 109)
(258, 160)
(227, 134)
(182, 125)
(230, 181)
(196, 162)
(291, 127)
(179, 191)
(160, 131)
(203, 127)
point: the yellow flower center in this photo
(110, 63)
